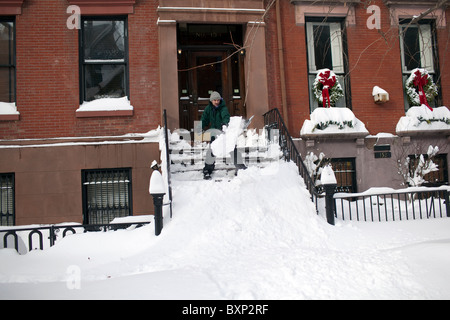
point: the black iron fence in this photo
(393, 205)
(39, 238)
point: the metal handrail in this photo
(166, 139)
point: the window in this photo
(106, 195)
(7, 60)
(104, 58)
(325, 50)
(7, 207)
(418, 50)
(345, 172)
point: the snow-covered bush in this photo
(414, 169)
(315, 164)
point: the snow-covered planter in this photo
(423, 119)
(418, 80)
(333, 121)
(326, 85)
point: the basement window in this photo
(106, 195)
(7, 206)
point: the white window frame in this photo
(337, 58)
(337, 52)
(426, 47)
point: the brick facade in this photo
(47, 67)
(48, 90)
(48, 75)
(374, 59)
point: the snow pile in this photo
(8, 108)
(225, 143)
(333, 121)
(422, 118)
(254, 237)
(106, 104)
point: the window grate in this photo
(107, 195)
(7, 205)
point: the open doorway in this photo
(209, 60)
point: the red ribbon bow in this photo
(328, 83)
(419, 82)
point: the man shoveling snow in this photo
(225, 131)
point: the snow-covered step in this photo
(187, 158)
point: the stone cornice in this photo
(104, 7)
(10, 7)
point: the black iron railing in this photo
(166, 140)
(39, 238)
(396, 205)
(274, 121)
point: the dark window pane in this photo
(411, 48)
(7, 81)
(322, 47)
(104, 81)
(6, 43)
(104, 40)
(107, 194)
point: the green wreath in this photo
(412, 92)
(335, 91)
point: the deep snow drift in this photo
(256, 236)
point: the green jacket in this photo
(215, 118)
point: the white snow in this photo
(156, 183)
(8, 108)
(327, 176)
(423, 119)
(377, 90)
(333, 121)
(256, 236)
(106, 104)
(225, 143)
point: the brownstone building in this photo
(83, 84)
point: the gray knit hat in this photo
(215, 96)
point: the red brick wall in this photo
(48, 75)
(374, 60)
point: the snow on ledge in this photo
(106, 104)
(333, 121)
(422, 119)
(8, 108)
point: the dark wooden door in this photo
(202, 72)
